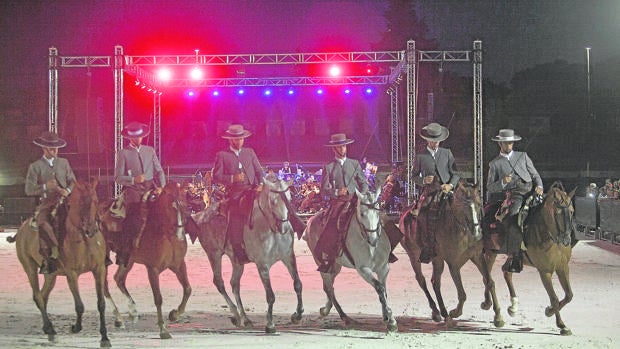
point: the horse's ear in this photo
(572, 193)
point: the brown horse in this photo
(162, 246)
(549, 237)
(459, 239)
(268, 238)
(82, 249)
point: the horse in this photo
(162, 245)
(82, 249)
(268, 239)
(366, 249)
(549, 238)
(459, 239)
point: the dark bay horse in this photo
(161, 246)
(367, 251)
(459, 239)
(549, 238)
(82, 249)
(268, 238)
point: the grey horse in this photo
(366, 250)
(268, 238)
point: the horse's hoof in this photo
(119, 324)
(566, 332)
(76, 328)
(164, 335)
(512, 311)
(450, 323)
(549, 311)
(392, 326)
(296, 318)
(51, 337)
(105, 344)
(174, 315)
(485, 305)
(455, 313)
(248, 324)
(324, 311)
(436, 316)
(498, 322)
(270, 329)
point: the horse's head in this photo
(275, 203)
(83, 203)
(367, 213)
(558, 212)
(168, 210)
(467, 197)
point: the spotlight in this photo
(319, 91)
(267, 92)
(241, 91)
(368, 90)
(143, 86)
(196, 73)
(137, 82)
(216, 93)
(291, 92)
(347, 91)
(191, 93)
(334, 70)
(164, 74)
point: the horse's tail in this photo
(10, 239)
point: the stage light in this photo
(334, 70)
(291, 92)
(143, 86)
(216, 93)
(154, 91)
(137, 82)
(191, 93)
(368, 90)
(319, 91)
(164, 74)
(241, 91)
(196, 73)
(347, 91)
(267, 92)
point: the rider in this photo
(240, 171)
(435, 170)
(138, 170)
(52, 179)
(511, 175)
(340, 178)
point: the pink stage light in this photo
(196, 73)
(216, 93)
(335, 70)
(164, 74)
(191, 93)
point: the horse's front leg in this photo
(79, 306)
(181, 273)
(100, 275)
(215, 260)
(40, 301)
(455, 272)
(328, 288)
(563, 277)
(414, 254)
(514, 300)
(291, 265)
(490, 297)
(235, 284)
(555, 303)
(263, 271)
(438, 266)
(154, 281)
(120, 277)
(388, 317)
(118, 318)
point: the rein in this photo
(275, 227)
(366, 231)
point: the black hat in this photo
(135, 130)
(49, 140)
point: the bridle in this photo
(278, 222)
(563, 206)
(367, 231)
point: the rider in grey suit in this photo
(512, 175)
(435, 170)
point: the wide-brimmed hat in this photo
(49, 140)
(235, 132)
(506, 135)
(339, 139)
(135, 130)
(434, 132)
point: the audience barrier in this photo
(598, 218)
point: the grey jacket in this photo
(227, 164)
(520, 166)
(40, 171)
(442, 166)
(131, 163)
(348, 175)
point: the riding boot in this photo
(50, 258)
(514, 264)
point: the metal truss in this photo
(406, 62)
